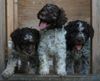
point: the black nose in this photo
(80, 39)
(29, 51)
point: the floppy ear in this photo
(15, 36)
(62, 19)
(69, 26)
(41, 10)
(91, 31)
(36, 35)
(38, 14)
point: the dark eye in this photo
(32, 43)
(74, 31)
(43, 13)
(85, 31)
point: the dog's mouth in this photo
(78, 46)
(43, 25)
(28, 54)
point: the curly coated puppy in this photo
(24, 57)
(79, 35)
(52, 42)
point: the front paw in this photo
(7, 73)
(44, 71)
(61, 72)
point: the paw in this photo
(44, 71)
(31, 71)
(7, 73)
(62, 72)
(84, 72)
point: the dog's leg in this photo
(9, 68)
(69, 67)
(69, 63)
(85, 62)
(85, 67)
(30, 69)
(44, 65)
(61, 64)
(43, 58)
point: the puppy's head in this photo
(25, 40)
(51, 16)
(78, 32)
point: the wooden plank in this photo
(2, 34)
(15, 14)
(96, 40)
(54, 78)
(10, 17)
(75, 9)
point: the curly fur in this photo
(52, 42)
(77, 62)
(53, 15)
(79, 35)
(23, 57)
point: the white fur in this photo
(81, 28)
(28, 37)
(53, 43)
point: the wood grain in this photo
(75, 9)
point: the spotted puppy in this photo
(52, 42)
(24, 57)
(79, 35)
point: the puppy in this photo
(52, 42)
(79, 35)
(24, 57)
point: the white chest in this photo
(54, 39)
